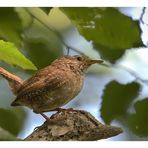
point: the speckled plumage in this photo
(54, 85)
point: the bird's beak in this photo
(90, 62)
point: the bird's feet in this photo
(55, 121)
(64, 110)
(52, 120)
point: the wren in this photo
(51, 87)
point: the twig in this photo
(68, 50)
(39, 15)
(142, 14)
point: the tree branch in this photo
(73, 125)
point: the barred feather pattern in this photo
(48, 92)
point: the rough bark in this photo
(73, 125)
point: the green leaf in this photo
(138, 121)
(116, 99)
(26, 19)
(10, 26)
(6, 136)
(40, 53)
(108, 53)
(111, 31)
(12, 120)
(10, 54)
(41, 45)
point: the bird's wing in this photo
(39, 85)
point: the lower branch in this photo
(73, 125)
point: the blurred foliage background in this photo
(115, 93)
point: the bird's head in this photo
(76, 63)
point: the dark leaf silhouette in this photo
(10, 26)
(138, 121)
(12, 120)
(116, 99)
(110, 31)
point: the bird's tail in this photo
(14, 81)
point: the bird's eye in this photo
(79, 58)
(71, 67)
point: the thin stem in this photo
(68, 51)
(142, 14)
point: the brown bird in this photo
(51, 87)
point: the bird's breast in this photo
(74, 84)
(70, 87)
